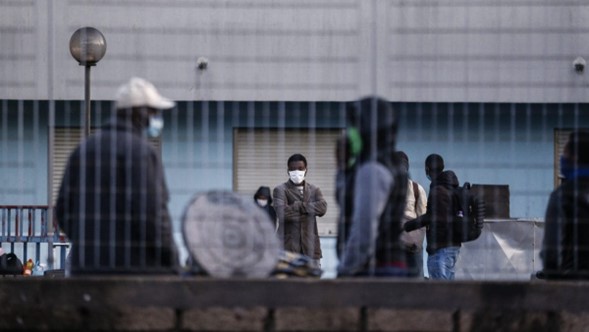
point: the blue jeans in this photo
(441, 264)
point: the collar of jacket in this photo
(294, 188)
(123, 124)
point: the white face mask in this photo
(297, 177)
(156, 124)
(262, 202)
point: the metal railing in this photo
(26, 228)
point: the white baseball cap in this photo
(139, 92)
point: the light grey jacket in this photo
(372, 187)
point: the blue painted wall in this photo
(483, 143)
(23, 152)
(491, 144)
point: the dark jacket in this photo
(112, 205)
(297, 217)
(439, 215)
(344, 184)
(565, 249)
(265, 191)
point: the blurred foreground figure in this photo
(113, 199)
(565, 250)
(377, 192)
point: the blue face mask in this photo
(567, 169)
(156, 124)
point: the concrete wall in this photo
(188, 304)
(427, 50)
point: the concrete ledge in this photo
(204, 304)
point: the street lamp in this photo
(87, 46)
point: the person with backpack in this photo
(377, 193)
(443, 247)
(565, 248)
(416, 206)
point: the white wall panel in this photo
(452, 50)
(509, 51)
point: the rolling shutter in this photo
(260, 156)
(66, 139)
(561, 137)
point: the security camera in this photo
(202, 63)
(579, 64)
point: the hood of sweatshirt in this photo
(264, 191)
(447, 179)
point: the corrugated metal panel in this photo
(260, 157)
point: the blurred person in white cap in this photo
(113, 198)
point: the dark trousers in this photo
(414, 261)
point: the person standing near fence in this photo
(113, 198)
(442, 247)
(298, 203)
(378, 189)
(565, 248)
(416, 206)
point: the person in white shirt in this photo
(416, 206)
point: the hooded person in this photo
(112, 203)
(565, 247)
(443, 247)
(344, 178)
(378, 192)
(263, 199)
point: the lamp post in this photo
(87, 46)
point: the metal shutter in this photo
(561, 137)
(66, 139)
(260, 156)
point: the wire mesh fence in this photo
(490, 86)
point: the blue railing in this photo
(27, 232)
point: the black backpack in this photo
(469, 214)
(10, 264)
